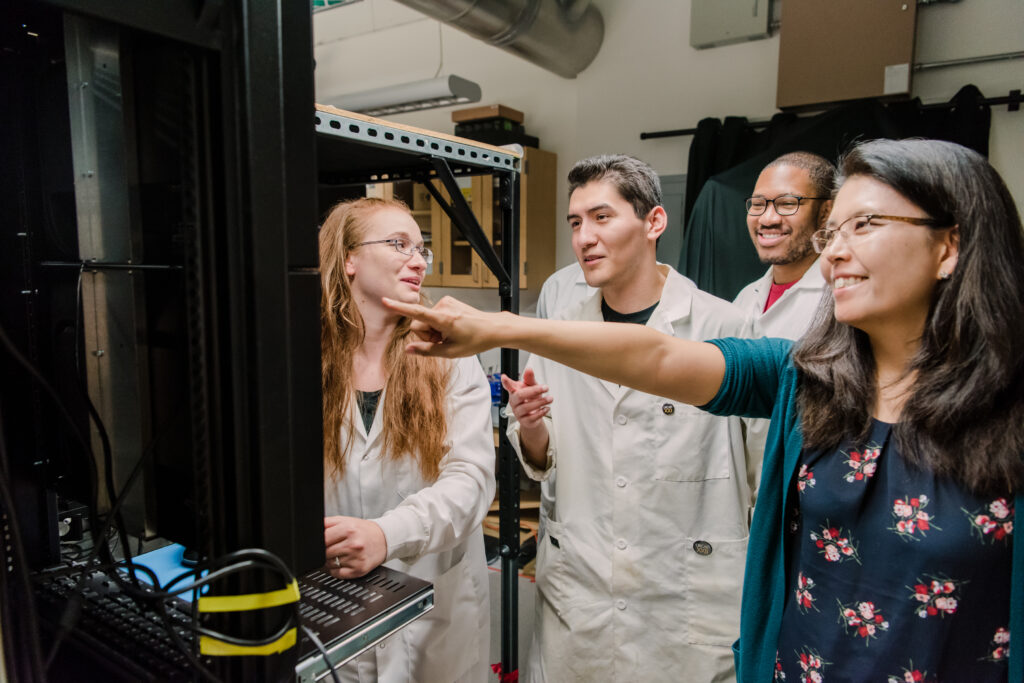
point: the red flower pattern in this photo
(862, 619)
(938, 596)
(910, 675)
(812, 666)
(910, 520)
(1000, 646)
(913, 517)
(862, 463)
(804, 478)
(994, 522)
(804, 598)
(833, 545)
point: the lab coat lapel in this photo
(368, 438)
(676, 302)
(674, 305)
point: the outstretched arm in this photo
(633, 355)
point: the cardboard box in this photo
(490, 111)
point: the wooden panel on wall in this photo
(844, 50)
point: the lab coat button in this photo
(620, 544)
(621, 419)
(381, 646)
(668, 408)
(621, 604)
(620, 482)
(702, 547)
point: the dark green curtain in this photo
(725, 161)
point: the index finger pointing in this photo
(411, 310)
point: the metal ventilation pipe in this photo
(562, 36)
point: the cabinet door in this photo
(537, 223)
(462, 267)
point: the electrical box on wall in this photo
(720, 22)
(844, 50)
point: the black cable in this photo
(184, 647)
(18, 547)
(62, 409)
(72, 610)
(108, 457)
(21, 561)
(246, 642)
(323, 652)
(165, 592)
(282, 569)
(69, 617)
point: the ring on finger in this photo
(337, 562)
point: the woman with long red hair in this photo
(408, 448)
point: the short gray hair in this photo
(635, 180)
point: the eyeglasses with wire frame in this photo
(404, 246)
(864, 225)
(785, 204)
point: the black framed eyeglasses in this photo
(785, 204)
(863, 226)
(404, 246)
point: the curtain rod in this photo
(1012, 100)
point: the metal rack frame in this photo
(353, 149)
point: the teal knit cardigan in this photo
(761, 381)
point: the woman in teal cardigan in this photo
(881, 544)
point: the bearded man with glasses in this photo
(790, 201)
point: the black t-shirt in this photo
(613, 316)
(367, 401)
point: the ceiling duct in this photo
(562, 36)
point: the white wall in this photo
(647, 77)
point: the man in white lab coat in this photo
(640, 572)
(789, 203)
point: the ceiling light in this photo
(415, 96)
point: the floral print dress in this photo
(894, 574)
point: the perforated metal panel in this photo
(351, 615)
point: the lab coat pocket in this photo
(557, 580)
(690, 444)
(713, 582)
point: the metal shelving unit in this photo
(353, 149)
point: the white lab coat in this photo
(433, 532)
(642, 482)
(565, 288)
(789, 317)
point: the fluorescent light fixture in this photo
(396, 99)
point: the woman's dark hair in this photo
(964, 416)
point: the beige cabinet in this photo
(456, 264)
(538, 223)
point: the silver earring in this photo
(944, 275)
